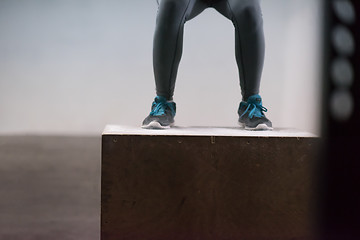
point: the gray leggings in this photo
(249, 40)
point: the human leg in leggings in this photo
(249, 41)
(168, 40)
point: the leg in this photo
(249, 41)
(168, 41)
(250, 47)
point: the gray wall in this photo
(72, 66)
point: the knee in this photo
(171, 12)
(249, 18)
(172, 7)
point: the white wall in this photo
(72, 66)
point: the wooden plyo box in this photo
(206, 184)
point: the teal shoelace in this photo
(254, 110)
(160, 107)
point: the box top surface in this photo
(203, 131)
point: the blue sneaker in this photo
(251, 114)
(162, 114)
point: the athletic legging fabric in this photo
(168, 40)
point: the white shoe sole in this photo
(156, 125)
(260, 127)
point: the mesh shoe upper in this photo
(251, 112)
(161, 106)
(162, 111)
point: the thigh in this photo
(233, 8)
(196, 8)
(185, 9)
(173, 6)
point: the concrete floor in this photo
(49, 188)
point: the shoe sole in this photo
(260, 127)
(156, 125)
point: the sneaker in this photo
(251, 114)
(162, 114)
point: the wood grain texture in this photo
(186, 187)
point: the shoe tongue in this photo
(256, 99)
(159, 99)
